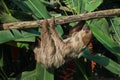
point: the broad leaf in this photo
(5, 18)
(80, 6)
(104, 38)
(59, 30)
(40, 73)
(76, 5)
(115, 29)
(21, 16)
(103, 61)
(9, 35)
(102, 25)
(33, 6)
(91, 5)
(37, 9)
(16, 35)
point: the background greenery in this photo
(17, 59)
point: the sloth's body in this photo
(53, 51)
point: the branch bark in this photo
(65, 19)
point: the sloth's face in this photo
(86, 35)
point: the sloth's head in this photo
(86, 35)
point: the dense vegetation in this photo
(100, 59)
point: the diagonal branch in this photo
(65, 19)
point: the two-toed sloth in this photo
(52, 51)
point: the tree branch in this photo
(65, 19)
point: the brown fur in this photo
(54, 51)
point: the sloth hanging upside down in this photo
(52, 51)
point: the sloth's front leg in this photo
(46, 46)
(58, 57)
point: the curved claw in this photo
(52, 22)
(38, 42)
(45, 24)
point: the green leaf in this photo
(6, 36)
(76, 5)
(5, 18)
(80, 6)
(59, 30)
(115, 29)
(22, 45)
(28, 34)
(1, 56)
(21, 16)
(102, 25)
(103, 61)
(40, 73)
(91, 5)
(36, 7)
(17, 35)
(104, 38)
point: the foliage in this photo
(105, 30)
(103, 61)
(80, 6)
(40, 73)
(105, 39)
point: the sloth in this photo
(53, 51)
